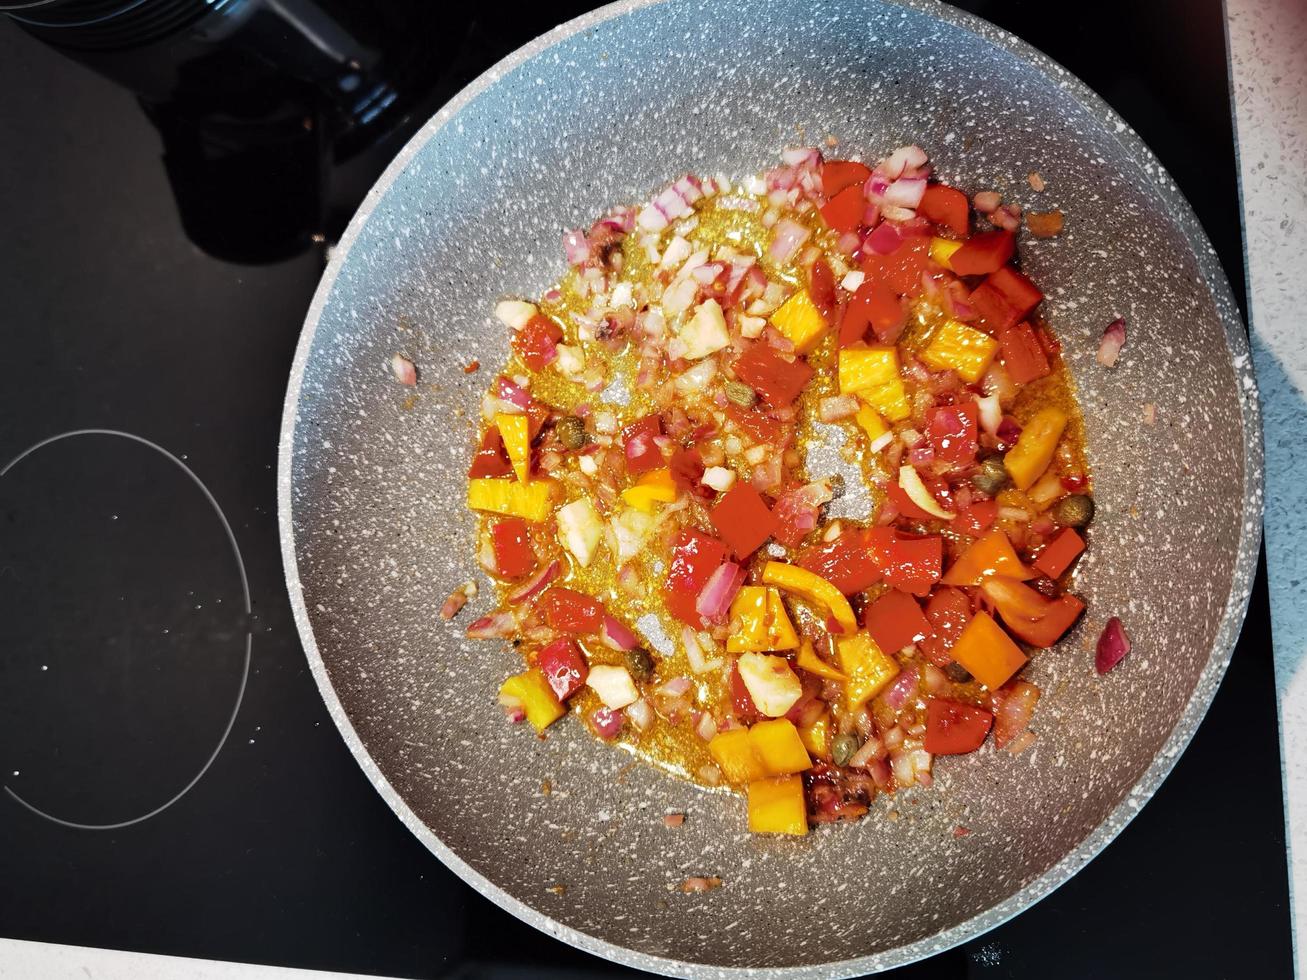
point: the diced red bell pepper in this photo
(1017, 289)
(952, 433)
(570, 612)
(1022, 354)
(949, 611)
(1059, 553)
(821, 288)
(491, 459)
(687, 473)
(903, 267)
(843, 212)
(513, 555)
(984, 253)
(907, 508)
(695, 556)
(537, 342)
(845, 563)
(954, 728)
(839, 174)
(976, 519)
(746, 711)
(642, 453)
(909, 563)
(883, 308)
(946, 206)
(760, 426)
(895, 620)
(743, 519)
(777, 380)
(564, 667)
(994, 313)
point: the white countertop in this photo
(1268, 54)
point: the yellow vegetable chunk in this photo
(737, 756)
(861, 368)
(777, 806)
(1031, 456)
(868, 668)
(654, 487)
(772, 684)
(517, 443)
(813, 664)
(812, 587)
(541, 705)
(964, 349)
(779, 745)
(800, 322)
(817, 737)
(890, 399)
(870, 422)
(942, 249)
(532, 501)
(987, 652)
(764, 623)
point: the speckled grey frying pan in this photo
(606, 109)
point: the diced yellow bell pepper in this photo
(861, 368)
(812, 587)
(737, 756)
(813, 664)
(764, 623)
(942, 249)
(987, 652)
(868, 668)
(800, 322)
(890, 399)
(656, 486)
(777, 806)
(1031, 456)
(532, 501)
(780, 747)
(870, 422)
(517, 443)
(816, 737)
(964, 349)
(541, 705)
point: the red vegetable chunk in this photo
(912, 564)
(953, 728)
(687, 472)
(513, 555)
(570, 612)
(993, 311)
(743, 519)
(777, 380)
(1022, 354)
(821, 288)
(843, 212)
(1059, 553)
(976, 519)
(949, 611)
(902, 268)
(984, 253)
(836, 175)
(642, 453)
(946, 206)
(845, 563)
(491, 460)
(896, 621)
(695, 556)
(760, 426)
(745, 710)
(537, 342)
(564, 667)
(1017, 289)
(952, 433)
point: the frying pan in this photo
(565, 832)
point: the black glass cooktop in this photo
(171, 780)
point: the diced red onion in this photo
(673, 820)
(991, 415)
(921, 456)
(403, 370)
(496, 626)
(641, 715)
(715, 599)
(890, 212)
(615, 635)
(879, 771)
(901, 159)
(801, 156)
(935, 680)
(676, 687)
(1013, 707)
(871, 750)
(986, 202)
(1007, 217)
(707, 273)
(704, 726)
(508, 390)
(576, 247)
(1008, 431)
(1113, 645)
(903, 687)
(883, 240)
(536, 584)
(1110, 346)
(789, 238)
(835, 407)
(875, 186)
(905, 192)
(1021, 742)
(848, 242)
(607, 722)
(893, 738)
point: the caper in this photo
(991, 477)
(738, 393)
(843, 749)
(1076, 510)
(639, 663)
(571, 432)
(957, 673)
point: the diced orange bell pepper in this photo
(1031, 456)
(538, 700)
(517, 442)
(946, 206)
(737, 756)
(780, 747)
(990, 554)
(861, 368)
(532, 501)
(817, 737)
(812, 587)
(777, 806)
(984, 253)
(1059, 553)
(813, 664)
(1033, 618)
(958, 347)
(655, 486)
(868, 668)
(800, 322)
(987, 652)
(764, 623)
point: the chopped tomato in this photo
(1059, 553)
(993, 311)
(895, 620)
(564, 667)
(745, 710)
(952, 433)
(949, 611)
(695, 556)
(839, 174)
(777, 380)
(821, 288)
(642, 453)
(513, 555)
(743, 519)
(570, 612)
(984, 253)
(954, 728)
(757, 423)
(491, 459)
(687, 472)
(1022, 354)
(906, 562)
(946, 206)
(992, 554)
(843, 212)
(845, 563)
(1016, 288)
(903, 267)
(976, 519)
(536, 342)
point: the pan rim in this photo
(1227, 633)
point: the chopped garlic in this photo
(613, 685)
(514, 313)
(580, 530)
(719, 478)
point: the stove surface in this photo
(172, 782)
